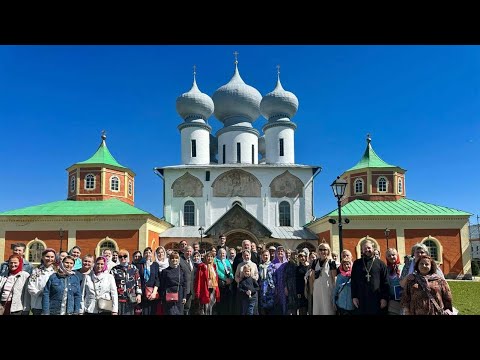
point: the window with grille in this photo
(72, 183)
(35, 252)
(400, 186)
(382, 184)
(90, 182)
(107, 245)
(432, 249)
(130, 187)
(114, 183)
(284, 210)
(358, 186)
(189, 213)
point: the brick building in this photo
(375, 200)
(99, 213)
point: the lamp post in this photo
(338, 187)
(60, 232)
(201, 230)
(387, 234)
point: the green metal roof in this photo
(371, 159)
(102, 156)
(78, 208)
(402, 207)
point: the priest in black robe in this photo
(370, 290)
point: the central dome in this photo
(237, 101)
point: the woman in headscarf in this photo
(13, 289)
(162, 260)
(136, 257)
(62, 293)
(291, 282)
(150, 280)
(342, 294)
(267, 286)
(206, 284)
(39, 278)
(127, 280)
(99, 284)
(173, 281)
(394, 270)
(300, 272)
(195, 308)
(225, 278)
(279, 265)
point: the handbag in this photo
(132, 297)
(173, 296)
(394, 307)
(430, 296)
(105, 304)
(149, 291)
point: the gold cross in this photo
(235, 53)
(194, 69)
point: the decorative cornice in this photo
(288, 124)
(193, 124)
(250, 130)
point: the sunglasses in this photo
(122, 256)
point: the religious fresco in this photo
(236, 183)
(187, 185)
(286, 185)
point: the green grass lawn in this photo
(466, 296)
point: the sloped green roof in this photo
(402, 207)
(371, 159)
(102, 156)
(78, 208)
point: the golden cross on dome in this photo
(235, 53)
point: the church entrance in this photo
(236, 237)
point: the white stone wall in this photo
(208, 209)
(230, 140)
(272, 145)
(202, 137)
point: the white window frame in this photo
(358, 181)
(86, 182)
(378, 184)
(194, 212)
(111, 183)
(439, 248)
(32, 242)
(358, 248)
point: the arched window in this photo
(400, 186)
(114, 183)
(284, 211)
(72, 183)
(382, 184)
(432, 249)
(189, 213)
(130, 187)
(307, 245)
(35, 252)
(358, 186)
(90, 182)
(107, 245)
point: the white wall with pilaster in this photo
(230, 140)
(272, 145)
(202, 138)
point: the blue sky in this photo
(420, 104)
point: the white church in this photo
(238, 182)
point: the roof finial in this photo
(194, 71)
(369, 139)
(278, 72)
(235, 53)
(104, 135)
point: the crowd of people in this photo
(224, 281)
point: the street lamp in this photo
(201, 231)
(387, 234)
(60, 232)
(338, 187)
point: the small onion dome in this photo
(279, 103)
(194, 104)
(237, 99)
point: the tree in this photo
(475, 268)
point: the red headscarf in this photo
(20, 265)
(393, 268)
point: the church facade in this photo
(238, 182)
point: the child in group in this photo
(248, 291)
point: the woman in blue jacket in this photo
(62, 295)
